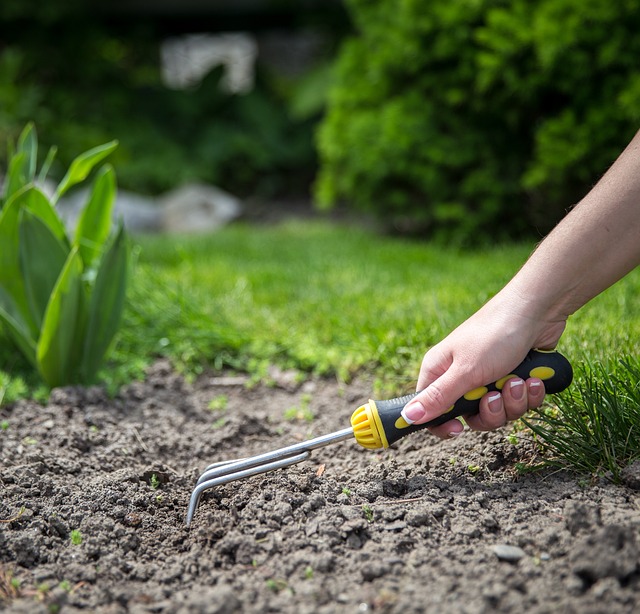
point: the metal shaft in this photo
(224, 472)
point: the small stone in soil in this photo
(512, 554)
(631, 475)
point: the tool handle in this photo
(550, 366)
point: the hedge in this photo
(478, 118)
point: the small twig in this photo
(139, 438)
(392, 502)
(76, 587)
(14, 517)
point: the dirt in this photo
(94, 492)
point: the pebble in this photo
(512, 554)
(631, 475)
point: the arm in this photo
(595, 245)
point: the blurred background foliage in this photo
(479, 116)
(85, 74)
(452, 120)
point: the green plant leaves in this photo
(107, 303)
(57, 351)
(19, 330)
(42, 257)
(94, 224)
(60, 302)
(22, 165)
(28, 144)
(10, 275)
(82, 166)
(32, 198)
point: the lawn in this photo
(323, 298)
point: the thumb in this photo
(438, 397)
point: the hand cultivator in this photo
(379, 424)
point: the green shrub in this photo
(479, 115)
(60, 298)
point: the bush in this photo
(479, 116)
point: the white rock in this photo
(198, 207)
(508, 553)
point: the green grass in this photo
(320, 298)
(336, 300)
(595, 427)
(316, 297)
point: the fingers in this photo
(515, 399)
(498, 408)
(435, 398)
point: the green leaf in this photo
(18, 329)
(107, 303)
(22, 162)
(56, 351)
(16, 174)
(44, 171)
(42, 258)
(28, 143)
(35, 200)
(95, 221)
(10, 275)
(82, 166)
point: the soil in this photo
(94, 492)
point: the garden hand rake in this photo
(379, 424)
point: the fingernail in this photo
(534, 386)
(495, 406)
(517, 388)
(413, 412)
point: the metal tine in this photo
(224, 468)
(238, 475)
(222, 463)
(228, 471)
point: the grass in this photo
(322, 298)
(595, 428)
(319, 298)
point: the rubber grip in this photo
(550, 366)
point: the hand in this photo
(481, 350)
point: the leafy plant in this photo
(61, 297)
(76, 537)
(595, 427)
(473, 117)
(368, 512)
(154, 481)
(276, 584)
(300, 412)
(218, 403)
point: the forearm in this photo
(595, 245)
(590, 249)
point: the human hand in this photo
(483, 349)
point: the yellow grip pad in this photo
(366, 428)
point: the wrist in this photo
(535, 319)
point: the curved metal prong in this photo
(229, 471)
(231, 476)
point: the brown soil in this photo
(429, 526)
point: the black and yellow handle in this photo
(378, 424)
